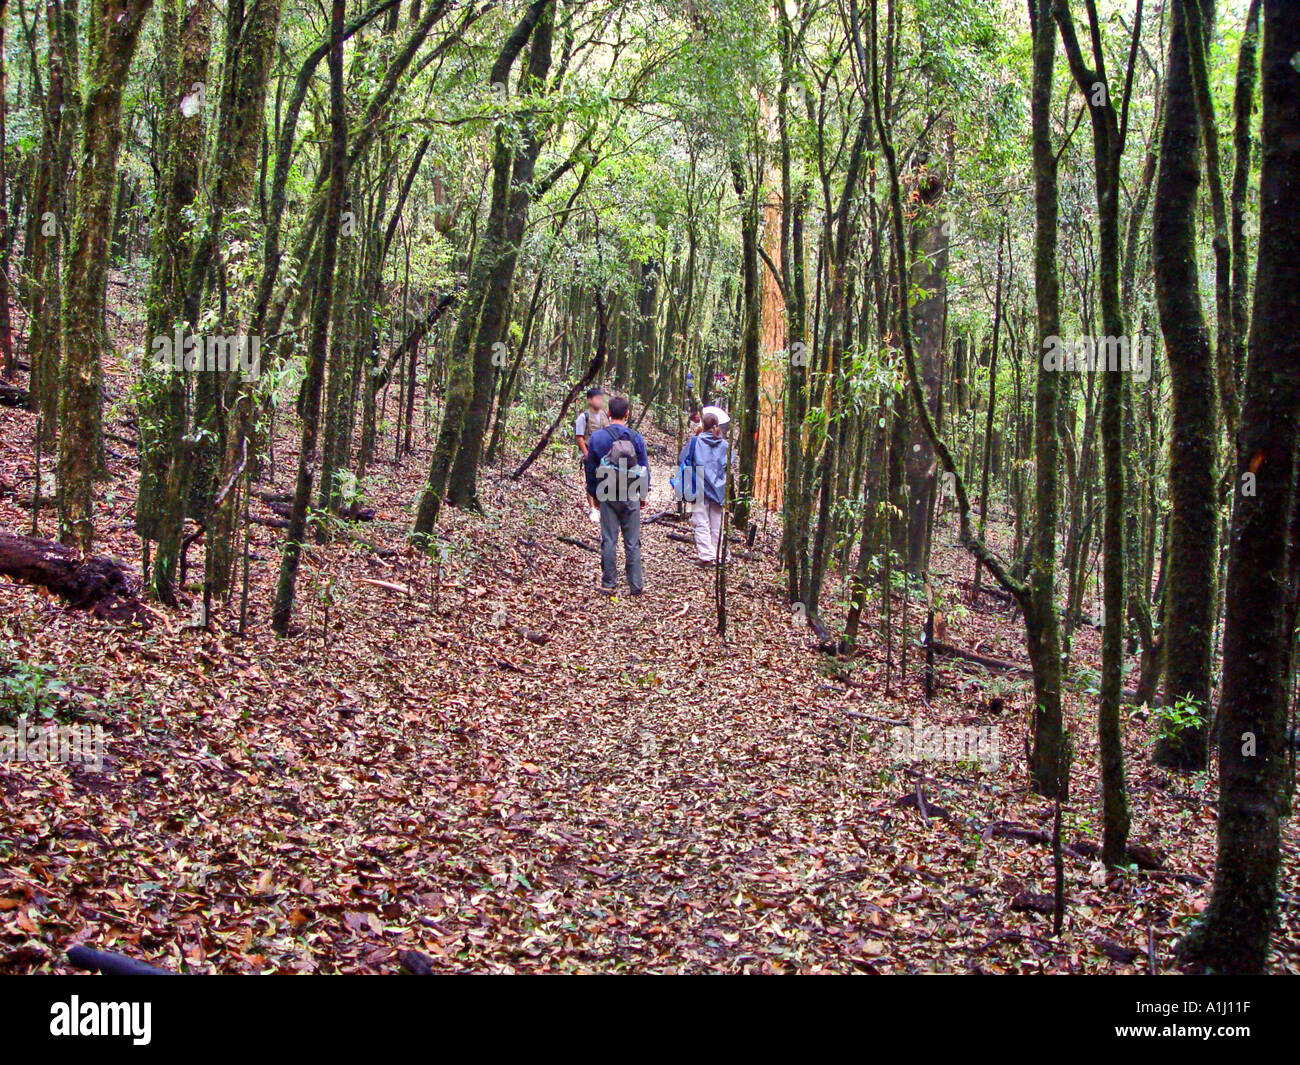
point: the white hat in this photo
(723, 417)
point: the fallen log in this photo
(357, 512)
(856, 716)
(997, 664)
(352, 512)
(391, 586)
(1146, 858)
(98, 584)
(110, 964)
(1001, 665)
(1117, 952)
(374, 548)
(989, 590)
(541, 639)
(12, 396)
(664, 515)
(538, 545)
(505, 663)
(415, 963)
(744, 556)
(369, 545)
(578, 543)
(1033, 902)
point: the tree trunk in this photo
(489, 285)
(160, 503)
(1189, 633)
(116, 28)
(285, 589)
(1049, 756)
(1108, 149)
(1233, 936)
(51, 215)
(741, 485)
(929, 254)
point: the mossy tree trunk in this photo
(282, 611)
(486, 274)
(1049, 754)
(1193, 530)
(929, 303)
(1108, 135)
(51, 213)
(114, 33)
(228, 402)
(1233, 935)
(160, 503)
(502, 247)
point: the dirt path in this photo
(635, 793)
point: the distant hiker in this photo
(704, 476)
(618, 479)
(693, 423)
(592, 418)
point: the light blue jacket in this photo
(710, 467)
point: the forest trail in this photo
(288, 293)
(633, 793)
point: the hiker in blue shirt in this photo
(618, 479)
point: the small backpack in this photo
(684, 483)
(622, 452)
(621, 456)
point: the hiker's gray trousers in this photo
(616, 516)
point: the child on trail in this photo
(593, 418)
(618, 479)
(705, 458)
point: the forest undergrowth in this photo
(471, 755)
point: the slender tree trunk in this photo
(1049, 755)
(742, 483)
(1108, 148)
(231, 399)
(929, 254)
(285, 590)
(1243, 108)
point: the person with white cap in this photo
(724, 419)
